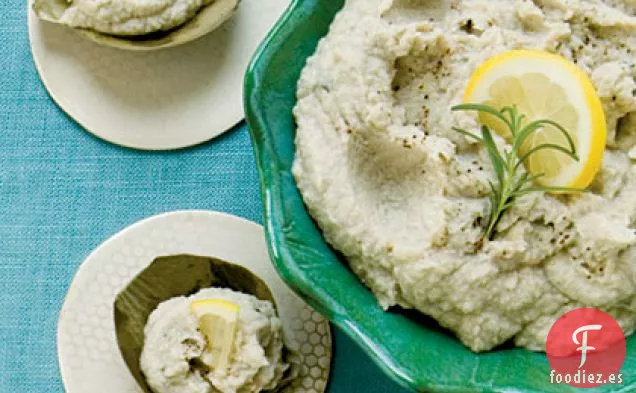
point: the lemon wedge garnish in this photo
(546, 86)
(218, 321)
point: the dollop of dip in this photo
(130, 17)
(404, 197)
(174, 346)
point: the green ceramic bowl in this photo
(413, 350)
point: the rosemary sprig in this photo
(511, 181)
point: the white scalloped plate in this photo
(89, 357)
(160, 100)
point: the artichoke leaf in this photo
(51, 10)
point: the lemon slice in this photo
(218, 321)
(546, 86)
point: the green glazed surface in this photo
(414, 351)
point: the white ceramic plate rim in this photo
(228, 125)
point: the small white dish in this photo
(89, 358)
(158, 100)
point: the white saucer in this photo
(90, 360)
(165, 99)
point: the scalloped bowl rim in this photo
(347, 326)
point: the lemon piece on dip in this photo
(546, 86)
(218, 321)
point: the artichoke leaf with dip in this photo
(136, 24)
(181, 276)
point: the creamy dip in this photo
(130, 17)
(173, 346)
(403, 197)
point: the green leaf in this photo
(510, 110)
(513, 123)
(536, 125)
(507, 205)
(520, 120)
(467, 133)
(545, 146)
(521, 182)
(492, 187)
(494, 195)
(483, 108)
(524, 134)
(497, 162)
(535, 177)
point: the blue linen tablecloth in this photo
(63, 192)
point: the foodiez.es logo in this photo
(586, 348)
